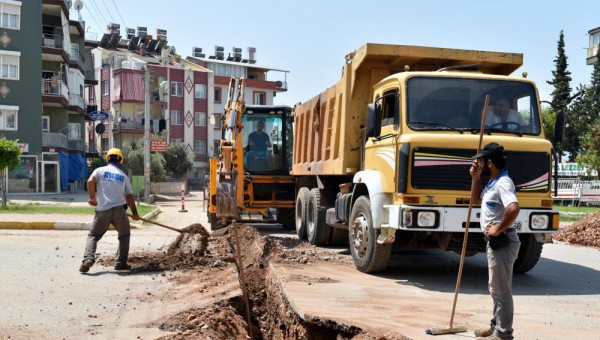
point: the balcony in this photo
(53, 48)
(55, 92)
(76, 144)
(591, 54)
(76, 26)
(54, 139)
(75, 57)
(76, 103)
(90, 77)
(52, 41)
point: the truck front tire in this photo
(317, 231)
(301, 205)
(368, 255)
(529, 253)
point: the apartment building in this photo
(260, 90)
(178, 89)
(42, 82)
(593, 46)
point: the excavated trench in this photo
(272, 316)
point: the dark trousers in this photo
(118, 218)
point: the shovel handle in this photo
(158, 224)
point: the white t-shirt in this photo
(513, 116)
(495, 197)
(111, 187)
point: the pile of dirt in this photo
(584, 232)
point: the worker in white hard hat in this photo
(110, 192)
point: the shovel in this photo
(159, 224)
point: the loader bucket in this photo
(226, 199)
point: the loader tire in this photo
(317, 231)
(368, 255)
(300, 212)
(529, 253)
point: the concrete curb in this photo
(63, 225)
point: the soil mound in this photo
(584, 232)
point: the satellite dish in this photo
(173, 50)
(78, 4)
(69, 4)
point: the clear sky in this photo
(310, 38)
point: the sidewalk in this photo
(168, 212)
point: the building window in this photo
(9, 116)
(74, 131)
(176, 89)
(105, 87)
(176, 117)
(200, 119)
(45, 123)
(217, 121)
(200, 91)
(200, 147)
(9, 66)
(217, 94)
(10, 16)
(260, 98)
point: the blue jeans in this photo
(500, 267)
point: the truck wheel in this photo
(368, 255)
(529, 253)
(301, 206)
(286, 216)
(339, 237)
(317, 231)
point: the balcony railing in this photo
(52, 41)
(128, 125)
(75, 56)
(90, 75)
(592, 51)
(54, 139)
(54, 88)
(76, 144)
(76, 100)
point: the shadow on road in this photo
(436, 270)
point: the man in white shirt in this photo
(503, 117)
(113, 195)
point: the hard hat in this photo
(114, 152)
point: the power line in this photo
(113, 1)
(109, 13)
(99, 12)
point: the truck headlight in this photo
(539, 222)
(426, 219)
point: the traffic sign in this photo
(158, 145)
(98, 115)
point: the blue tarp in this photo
(73, 167)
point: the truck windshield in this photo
(264, 145)
(437, 103)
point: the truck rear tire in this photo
(368, 255)
(317, 231)
(301, 206)
(529, 253)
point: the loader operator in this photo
(111, 198)
(499, 209)
(258, 158)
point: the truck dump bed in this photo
(328, 127)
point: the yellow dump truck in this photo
(381, 159)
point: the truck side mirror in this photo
(559, 127)
(373, 124)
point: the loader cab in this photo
(267, 139)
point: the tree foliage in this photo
(549, 121)
(561, 78)
(10, 156)
(179, 159)
(590, 155)
(133, 162)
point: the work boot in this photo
(122, 266)
(86, 265)
(490, 337)
(483, 332)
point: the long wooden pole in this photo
(158, 224)
(466, 237)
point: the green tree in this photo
(577, 122)
(179, 159)
(10, 156)
(590, 155)
(133, 162)
(561, 78)
(548, 121)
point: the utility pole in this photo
(147, 135)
